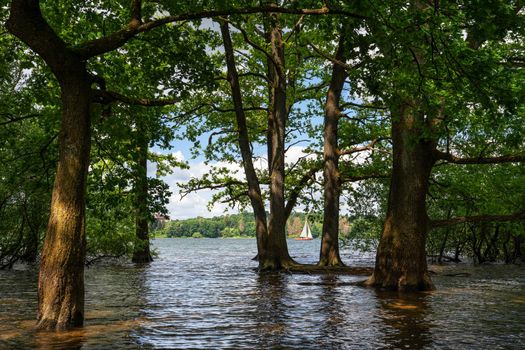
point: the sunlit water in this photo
(204, 294)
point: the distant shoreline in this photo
(164, 237)
(241, 237)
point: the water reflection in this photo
(70, 340)
(271, 310)
(405, 316)
(331, 316)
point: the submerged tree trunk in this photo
(401, 258)
(61, 276)
(329, 252)
(141, 252)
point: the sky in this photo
(196, 204)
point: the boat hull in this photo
(303, 239)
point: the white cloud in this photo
(295, 153)
(196, 204)
(192, 205)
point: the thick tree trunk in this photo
(401, 258)
(141, 253)
(277, 255)
(254, 190)
(329, 252)
(61, 276)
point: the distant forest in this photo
(241, 225)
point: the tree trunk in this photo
(329, 252)
(32, 238)
(254, 190)
(401, 258)
(277, 255)
(517, 248)
(141, 253)
(61, 276)
(444, 242)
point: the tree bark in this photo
(277, 255)
(61, 276)
(329, 252)
(401, 258)
(141, 253)
(254, 190)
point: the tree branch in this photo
(333, 59)
(27, 24)
(368, 147)
(246, 109)
(106, 97)
(294, 193)
(478, 160)
(346, 179)
(295, 28)
(115, 40)
(197, 187)
(136, 13)
(519, 215)
(258, 75)
(346, 104)
(17, 119)
(251, 43)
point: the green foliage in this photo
(222, 226)
(364, 233)
(461, 61)
(28, 131)
(475, 190)
(239, 225)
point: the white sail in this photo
(306, 232)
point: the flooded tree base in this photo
(401, 282)
(296, 268)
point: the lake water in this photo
(204, 294)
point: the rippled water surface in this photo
(204, 294)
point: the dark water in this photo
(203, 294)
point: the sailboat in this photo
(306, 233)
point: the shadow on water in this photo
(405, 319)
(331, 318)
(270, 312)
(73, 340)
(113, 300)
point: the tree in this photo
(61, 286)
(259, 67)
(421, 103)
(329, 253)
